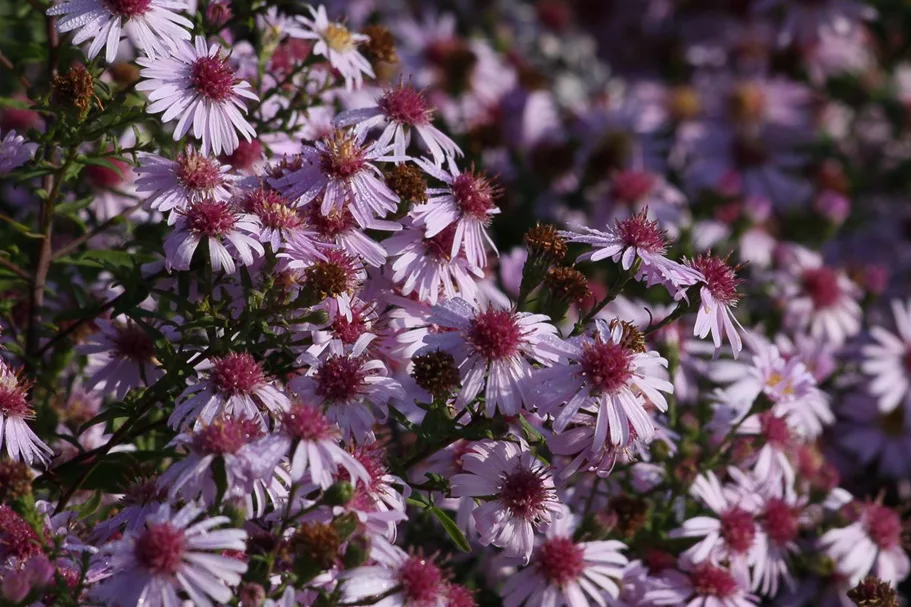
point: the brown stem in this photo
(5, 62)
(6, 263)
(77, 242)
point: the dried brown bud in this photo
(15, 480)
(436, 372)
(381, 46)
(629, 514)
(74, 90)
(747, 103)
(408, 182)
(683, 103)
(544, 242)
(568, 285)
(317, 543)
(124, 73)
(873, 592)
(632, 338)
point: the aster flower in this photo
(336, 43)
(314, 444)
(121, 357)
(21, 443)
(704, 585)
(606, 376)
(717, 297)
(218, 223)
(15, 151)
(886, 361)
(196, 85)
(426, 268)
(340, 168)
(399, 110)
(806, 22)
(237, 386)
(637, 239)
(142, 498)
(417, 580)
(875, 438)
(332, 275)
(496, 345)
(351, 387)
(171, 185)
(278, 219)
(339, 226)
(467, 201)
(729, 536)
(152, 25)
(565, 572)
(382, 491)
(872, 544)
(520, 491)
(172, 555)
(114, 189)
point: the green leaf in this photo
(455, 534)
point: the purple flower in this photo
(415, 580)
(121, 357)
(520, 493)
(717, 297)
(152, 25)
(173, 556)
(339, 226)
(174, 184)
(21, 443)
(334, 42)
(196, 85)
(704, 585)
(886, 361)
(15, 151)
(218, 223)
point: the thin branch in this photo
(6, 263)
(79, 241)
(5, 62)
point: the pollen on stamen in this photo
(307, 423)
(495, 334)
(720, 278)
(160, 548)
(237, 373)
(709, 580)
(523, 493)
(406, 105)
(209, 217)
(212, 78)
(474, 195)
(606, 366)
(198, 173)
(339, 378)
(225, 435)
(342, 156)
(422, 581)
(640, 232)
(560, 561)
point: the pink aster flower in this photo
(493, 345)
(21, 443)
(15, 151)
(400, 110)
(218, 223)
(887, 360)
(340, 168)
(819, 299)
(566, 572)
(404, 580)
(152, 25)
(237, 386)
(468, 201)
(114, 190)
(381, 491)
(718, 296)
(870, 545)
(703, 585)
(520, 491)
(172, 556)
(195, 85)
(426, 268)
(332, 275)
(339, 226)
(352, 388)
(171, 185)
(603, 376)
(314, 444)
(728, 536)
(121, 357)
(336, 43)
(874, 438)
(637, 239)
(279, 220)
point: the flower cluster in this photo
(550, 303)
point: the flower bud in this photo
(357, 553)
(381, 46)
(436, 372)
(315, 548)
(15, 480)
(251, 595)
(408, 182)
(873, 592)
(74, 91)
(339, 494)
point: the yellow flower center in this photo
(338, 38)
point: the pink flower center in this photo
(128, 8)
(708, 580)
(523, 493)
(629, 187)
(422, 582)
(339, 379)
(13, 398)
(440, 246)
(334, 275)
(883, 525)
(474, 194)
(237, 373)
(133, 342)
(459, 596)
(225, 436)
(780, 522)
(210, 218)
(821, 284)
(495, 334)
(338, 221)
(212, 78)
(341, 156)
(17, 538)
(246, 154)
(637, 231)
(560, 561)
(198, 173)
(738, 529)
(775, 429)
(307, 423)
(607, 367)
(272, 209)
(104, 177)
(160, 549)
(720, 278)
(405, 105)
(348, 331)
(144, 491)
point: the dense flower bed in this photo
(522, 303)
